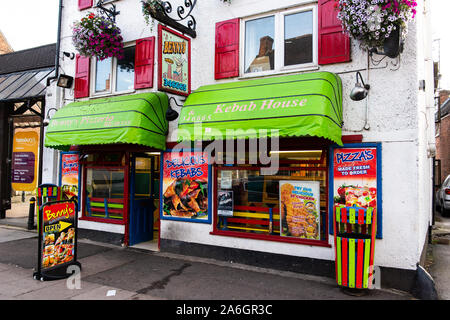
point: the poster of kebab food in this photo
(300, 209)
(185, 186)
(355, 177)
(58, 234)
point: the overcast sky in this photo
(29, 23)
(32, 23)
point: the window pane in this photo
(259, 38)
(103, 75)
(104, 193)
(291, 203)
(298, 29)
(125, 71)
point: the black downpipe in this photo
(58, 45)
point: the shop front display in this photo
(278, 192)
(118, 142)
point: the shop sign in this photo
(57, 238)
(69, 174)
(355, 178)
(185, 186)
(174, 52)
(24, 159)
(300, 209)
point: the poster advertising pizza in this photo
(300, 209)
(58, 241)
(355, 177)
(174, 52)
(69, 174)
(184, 186)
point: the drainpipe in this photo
(58, 45)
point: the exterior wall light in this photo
(360, 91)
(64, 81)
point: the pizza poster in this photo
(184, 177)
(57, 234)
(355, 177)
(300, 209)
(174, 62)
(69, 174)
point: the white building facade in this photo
(397, 116)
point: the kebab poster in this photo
(355, 177)
(185, 186)
(300, 209)
(57, 243)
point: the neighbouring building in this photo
(278, 70)
(4, 45)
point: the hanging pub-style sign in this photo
(57, 242)
(174, 52)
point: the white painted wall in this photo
(396, 116)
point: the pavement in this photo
(119, 273)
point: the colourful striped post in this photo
(354, 251)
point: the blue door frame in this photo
(141, 209)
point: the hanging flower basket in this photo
(150, 9)
(373, 22)
(97, 36)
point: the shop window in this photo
(280, 41)
(289, 206)
(104, 186)
(114, 75)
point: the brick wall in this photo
(4, 45)
(443, 146)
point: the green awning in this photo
(135, 119)
(293, 106)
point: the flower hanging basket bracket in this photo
(160, 10)
(110, 13)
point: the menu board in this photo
(57, 234)
(24, 159)
(69, 174)
(185, 194)
(300, 209)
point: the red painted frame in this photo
(160, 87)
(319, 243)
(126, 200)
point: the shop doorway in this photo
(144, 201)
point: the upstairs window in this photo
(280, 41)
(114, 75)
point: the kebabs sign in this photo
(57, 239)
(185, 192)
(174, 52)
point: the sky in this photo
(31, 23)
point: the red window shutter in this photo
(227, 49)
(82, 66)
(84, 4)
(144, 62)
(334, 45)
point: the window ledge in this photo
(276, 73)
(102, 220)
(316, 243)
(111, 94)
